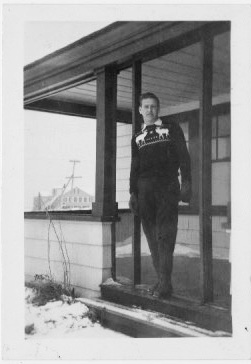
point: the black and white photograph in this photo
(125, 182)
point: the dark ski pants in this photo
(158, 207)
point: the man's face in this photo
(149, 110)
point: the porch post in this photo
(105, 197)
(205, 169)
(136, 236)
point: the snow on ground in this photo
(59, 319)
(124, 249)
(185, 250)
(180, 250)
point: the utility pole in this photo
(72, 177)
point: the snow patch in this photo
(181, 249)
(59, 319)
(185, 250)
(111, 282)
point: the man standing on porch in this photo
(158, 153)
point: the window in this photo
(221, 157)
(75, 199)
(221, 137)
(80, 199)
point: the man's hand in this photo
(133, 204)
(185, 192)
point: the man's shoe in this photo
(161, 292)
(152, 289)
(162, 295)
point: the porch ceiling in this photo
(174, 77)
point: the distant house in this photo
(73, 199)
(76, 198)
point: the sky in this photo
(51, 140)
(42, 38)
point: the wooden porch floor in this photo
(185, 277)
(209, 317)
(185, 304)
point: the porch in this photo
(187, 64)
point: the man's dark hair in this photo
(148, 95)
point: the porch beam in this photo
(136, 236)
(105, 196)
(62, 107)
(205, 168)
(72, 108)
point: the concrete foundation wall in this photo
(87, 244)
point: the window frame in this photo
(217, 137)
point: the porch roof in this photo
(65, 81)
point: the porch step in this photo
(139, 323)
(208, 317)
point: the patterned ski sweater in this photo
(159, 150)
